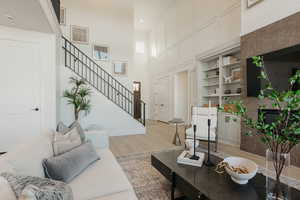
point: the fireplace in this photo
(270, 115)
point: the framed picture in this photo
(80, 34)
(251, 3)
(120, 67)
(62, 16)
(100, 52)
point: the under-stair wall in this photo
(104, 113)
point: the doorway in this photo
(181, 95)
(20, 115)
(161, 99)
(137, 100)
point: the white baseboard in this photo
(136, 131)
(228, 143)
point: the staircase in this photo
(102, 81)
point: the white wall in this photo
(266, 12)
(141, 69)
(189, 28)
(110, 23)
(104, 114)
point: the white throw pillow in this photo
(63, 143)
(6, 192)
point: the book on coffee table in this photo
(184, 158)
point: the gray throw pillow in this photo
(67, 166)
(62, 128)
(44, 189)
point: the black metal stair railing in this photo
(101, 80)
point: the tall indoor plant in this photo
(78, 96)
(283, 134)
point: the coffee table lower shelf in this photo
(189, 192)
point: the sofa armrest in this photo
(99, 138)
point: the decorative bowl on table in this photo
(248, 169)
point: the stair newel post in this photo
(108, 87)
(65, 52)
(144, 113)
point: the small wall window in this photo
(140, 47)
(80, 34)
(153, 51)
(101, 52)
(120, 67)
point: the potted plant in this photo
(280, 136)
(78, 96)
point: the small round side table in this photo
(176, 139)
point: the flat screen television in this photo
(280, 66)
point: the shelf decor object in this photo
(194, 156)
(208, 162)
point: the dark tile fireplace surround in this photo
(279, 35)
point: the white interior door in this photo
(20, 92)
(162, 100)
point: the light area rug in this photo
(147, 182)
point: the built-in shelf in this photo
(211, 85)
(211, 69)
(233, 64)
(212, 72)
(216, 76)
(212, 95)
(232, 83)
(230, 95)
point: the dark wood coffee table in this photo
(205, 183)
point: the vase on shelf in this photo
(277, 165)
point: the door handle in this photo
(36, 109)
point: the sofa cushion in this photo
(128, 195)
(27, 158)
(63, 143)
(67, 166)
(6, 192)
(103, 178)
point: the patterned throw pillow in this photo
(35, 188)
(63, 143)
(62, 128)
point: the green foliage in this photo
(284, 133)
(78, 96)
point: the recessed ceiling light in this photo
(142, 21)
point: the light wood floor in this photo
(159, 136)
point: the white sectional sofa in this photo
(103, 180)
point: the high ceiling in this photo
(147, 12)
